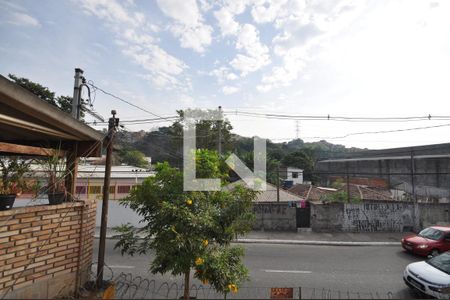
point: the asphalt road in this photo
(340, 269)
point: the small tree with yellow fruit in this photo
(191, 230)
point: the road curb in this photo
(299, 242)
(316, 243)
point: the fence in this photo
(137, 287)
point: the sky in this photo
(381, 58)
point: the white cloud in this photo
(185, 12)
(194, 37)
(256, 55)
(189, 26)
(163, 69)
(112, 11)
(23, 19)
(226, 14)
(205, 5)
(15, 14)
(266, 11)
(305, 28)
(161, 66)
(223, 74)
(227, 24)
(228, 90)
(142, 39)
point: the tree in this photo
(64, 103)
(133, 158)
(303, 159)
(191, 229)
(207, 131)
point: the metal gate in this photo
(303, 217)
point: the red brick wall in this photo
(42, 243)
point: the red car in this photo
(430, 241)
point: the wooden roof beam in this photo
(7, 148)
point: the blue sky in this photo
(351, 58)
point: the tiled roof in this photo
(366, 193)
(309, 192)
(314, 193)
(270, 195)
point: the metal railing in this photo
(128, 286)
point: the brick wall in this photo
(45, 250)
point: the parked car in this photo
(430, 241)
(431, 277)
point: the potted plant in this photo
(12, 181)
(55, 168)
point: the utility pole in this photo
(413, 186)
(348, 183)
(219, 127)
(71, 159)
(416, 213)
(76, 101)
(113, 123)
(278, 182)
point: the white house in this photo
(291, 176)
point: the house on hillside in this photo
(291, 176)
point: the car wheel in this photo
(434, 252)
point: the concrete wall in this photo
(274, 216)
(117, 215)
(45, 250)
(379, 216)
(399, 170)
(327, 217)
(434, 214)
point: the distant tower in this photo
(297, 129)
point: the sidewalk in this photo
(312, 238)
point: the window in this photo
(294, 174)
(95, 189)
(80, 190)
(123, 189)
(112, 189)
(431, 233)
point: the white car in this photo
(431, 277)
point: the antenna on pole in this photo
(297, 129)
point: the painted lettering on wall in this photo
(372, 217)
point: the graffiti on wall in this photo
(371, 217)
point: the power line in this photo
(368, 132)
(123, 100)
(336, 118)
(140, 121)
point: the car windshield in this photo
(431, 233)
(441, 262)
